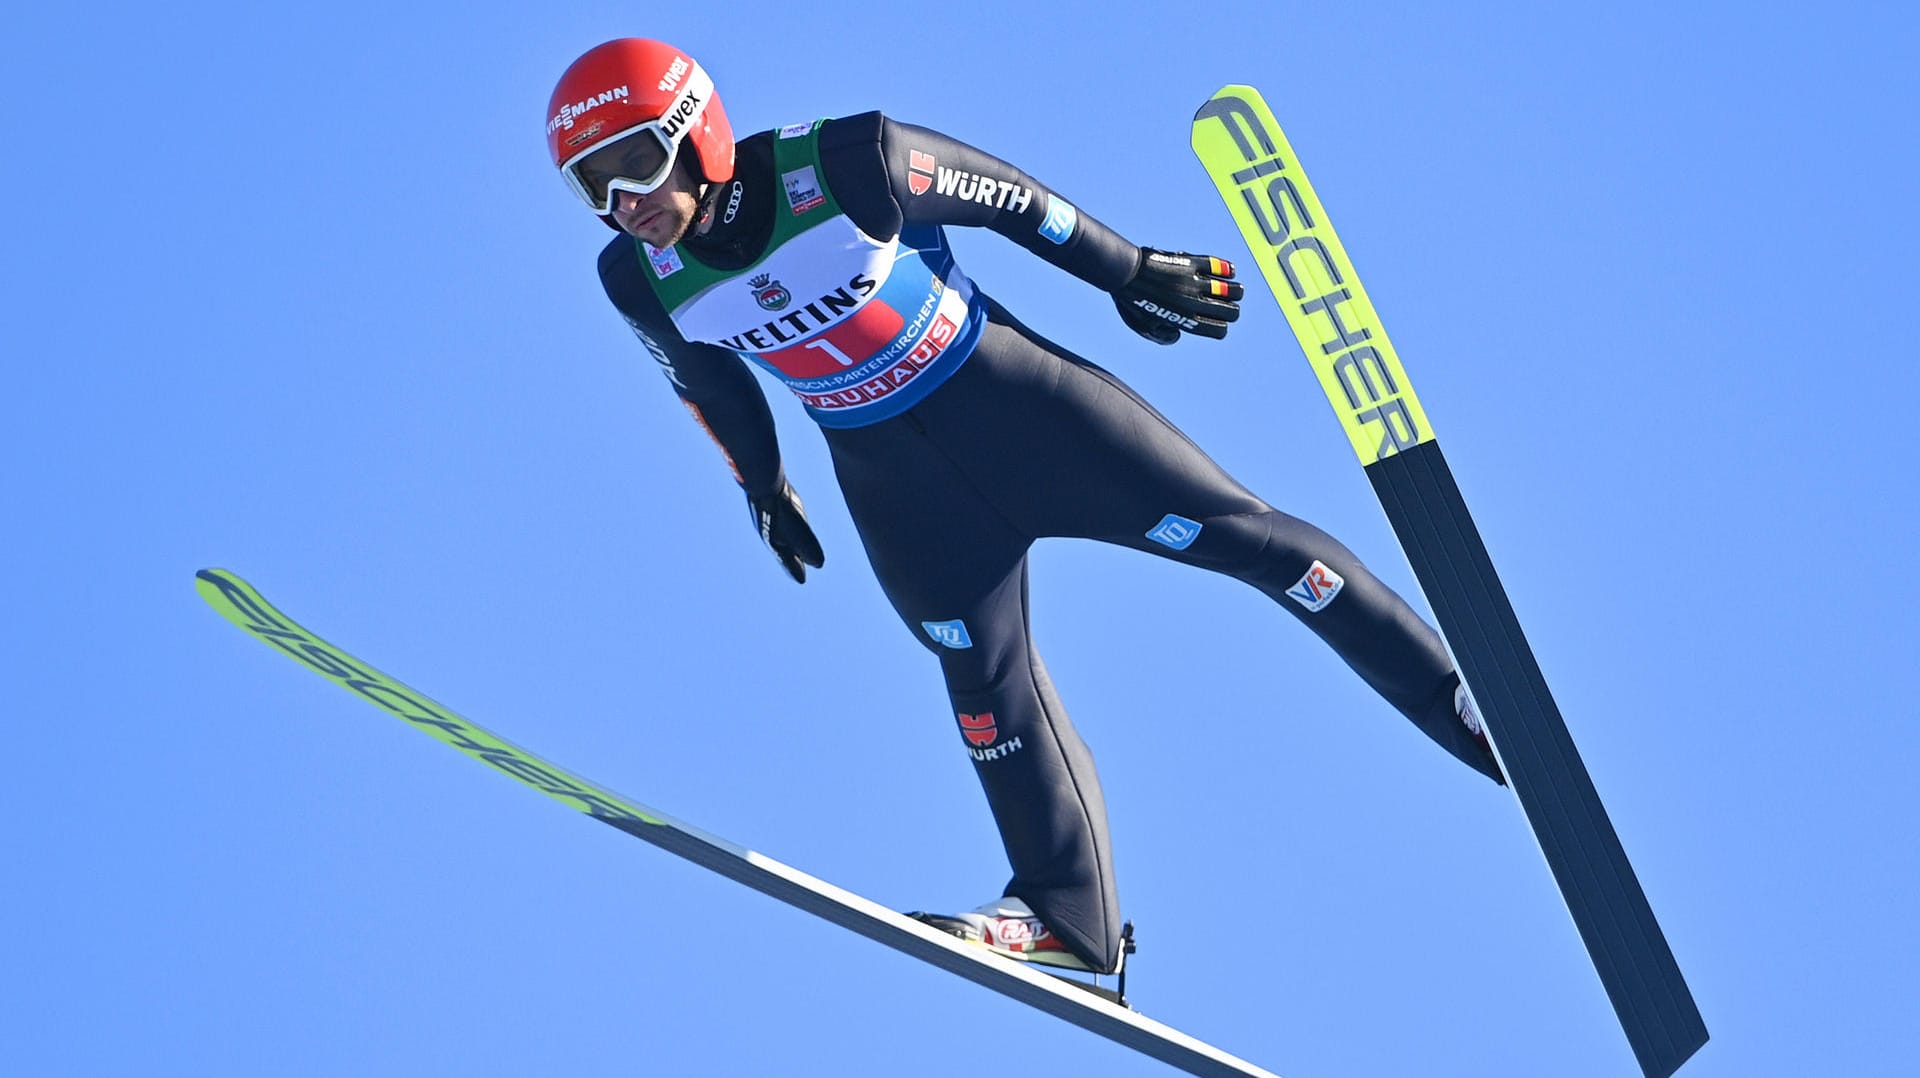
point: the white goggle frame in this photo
(670, 129)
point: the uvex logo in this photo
(672, 78)
(683, 110)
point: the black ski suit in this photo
(1017, 439)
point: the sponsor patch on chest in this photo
(803, 189)
(665, 263)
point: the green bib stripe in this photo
(796, 160)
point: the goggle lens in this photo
(637, 161)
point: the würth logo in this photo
(921, 177)
(983, 737)
(979, 729)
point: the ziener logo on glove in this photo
(1158, 311)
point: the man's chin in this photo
(658, 235)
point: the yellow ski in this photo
(1303, 261)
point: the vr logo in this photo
(1318, 588)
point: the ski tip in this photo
(1239, 90)
(211, 582)
(226, 592)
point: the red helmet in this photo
(646, 95)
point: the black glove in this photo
(1174, 292)
(782, 523)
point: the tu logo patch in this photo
(1175, 531)
(1061, 219)
(949, 634)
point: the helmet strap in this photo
(708, 197)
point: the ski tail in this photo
(1303, 261)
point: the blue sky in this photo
(295, 292)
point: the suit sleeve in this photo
(716, 386)
(890, 175)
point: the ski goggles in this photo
(639, 159)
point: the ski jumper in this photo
(959, 436)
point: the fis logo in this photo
(803, 189)
(796, 130)
(949, 634)
(921, 178)
(1318, 588)
(979, 730)
(1061, 219)
(1175, 531)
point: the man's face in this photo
(661, 216)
